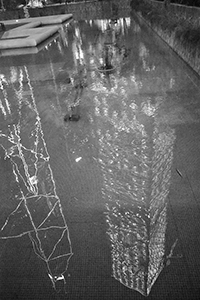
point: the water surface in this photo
(105, 207)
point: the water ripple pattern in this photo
(37, 210)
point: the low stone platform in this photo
(31, 32)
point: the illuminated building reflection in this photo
(111, 50)
(136, 154)
(78, 78)
(36, 210)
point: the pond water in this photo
(99, 155)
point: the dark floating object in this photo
(179, 173)
(106, 68)
(68, 80)
(73, 118)
(3, 27)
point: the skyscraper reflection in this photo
(136, 153)
(33, 208)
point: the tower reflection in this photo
(136, 153)
(33, 206)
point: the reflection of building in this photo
(110, 50)
(36, 210)
(135, 158)
(119, 25)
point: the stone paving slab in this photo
(46, 20)
(27, 37)
(31, 32)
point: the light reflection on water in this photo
(124, 127)
(135, 158)
(136, 167)
(37, 210)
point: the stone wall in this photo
(183, 40)
(80, 10)
(178, 8)
(99, 9)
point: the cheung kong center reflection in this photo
(135, 156)
(136, 152)
(136, 169)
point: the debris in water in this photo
(179, 173)
(74, 118)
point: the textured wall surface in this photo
(80, 10)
